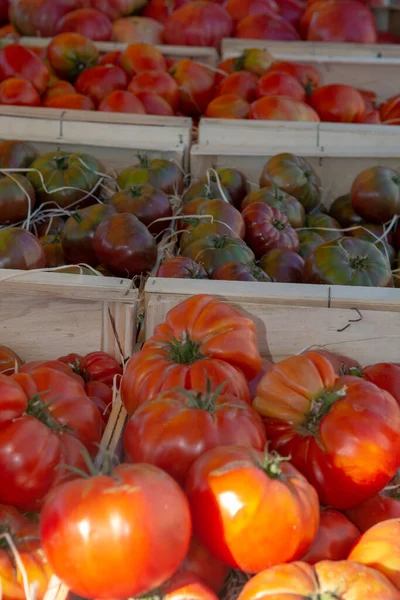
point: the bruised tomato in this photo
(241, 83)
(282, 108)
(228, 106)
(156, 82)
(98, 82)
(122, 102)
(338, 103)
(18, 92)
(278, 83)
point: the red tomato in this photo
(142, 57)
(280, 84)
(100, 366)
(229, 106)
(344, 21)
(25, 536)
(338, 103)
(379, 548)
(266, 27)
(373, 118)
(292, 11)
(122, 102)
(59, 88)
(342, 434)
(160, 10)
(18, 92)
(64, 366)
(156, 82)
(138, 30)
(198, 23)
(186, 585)
(383, 506)
(282, 108)
(176, 427)
(181, 267)
(19, 62)
(111, 58)
(240, 9)
(249, 510)
(101, 394)
(89, 22)
(369, 98)
(70, 101)
(241, 83)
(116, 536)
(71, 53)
(390, 109)
(386, 376)
(99, 82)
(196, 86)
(46, 421)
(202, 564)
(208, 340)
(307, 75)
(335, 538)
(155, 104)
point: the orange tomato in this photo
(228, 106)
(18, 92)
(241, 83)
(282, 108)
(278, 83)
(338, 103)
(156, 82)
(122, 102)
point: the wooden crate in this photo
(338, 152)
(364, 66)
(205, 55)
(115, 139)
(387, 16)
(47, 315)
(361, 322)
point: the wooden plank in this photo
(283, 330)
(202, 54)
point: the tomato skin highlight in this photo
(118, 536)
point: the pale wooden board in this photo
(284, 330)
(201, 54)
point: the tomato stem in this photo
(204, 401)
(39, 409)
(271, 464)
(320, 406)
(184, 351)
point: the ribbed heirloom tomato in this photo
(202, 340)
(342, 434)
(250, 509)
(118, 536)
(178, 426)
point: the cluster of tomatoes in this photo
(71, 74)
(227, 461)
(282, 232)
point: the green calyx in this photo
(39, 410)
(358, 263)
(324, 596)
(143, 161)
(204, 400)
(135, 191)
(184, 351)
(61, 162)
(77, 217)
(320, 406)
(279, 225)
(271, 464)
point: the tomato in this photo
(342, 210)
(372, 117)
(19, 62)
(227, 218)
(342, 365)
(327, 579)
(235, 182)
(124, 245)
(100, 366)
(206, 188)
(78, 233)
(59, 88)
(344, 21)
(137, 30)
(176, 427)
(202, 564)
(295, 176)
(55, 256)
(111, 58)
(47, 420)
(241, 83)
(214, 250)
(307, 75)
(338, 103)
(89, 22)
(254, 60)
(182, 268)
(276, 198)
(41, 17)
(25, 536)
(17, 155)
(137, 58)
(17, 198)
(324, 423)
(160, 10)
(225, 485)
(379, 548)
(71, 53)
(19, 249)
(122, 102)
(18, 92)
(130, 517)
(9, 361)
(50, 226)
(155, 104)
(321, 222)
(240, 9)
(266, 27)
(282, 108)
(390, 109)
(102, 396)
(372, 233)
(147, 203)
(74, 171)
(161, 173)
(278, 83)
(236, 271)
(55, 365)
(196, 86)
(98, 82)
(9, 32)
(292, 11)
(70, 102)
(283, 265)
(386, 376)
(309, 240)
(198, 23)
(186, 585)
(267, 228)
(116, 8)
(335, 538)
(207, 341)
(375, 194)
(348, 261)
(156, 82)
